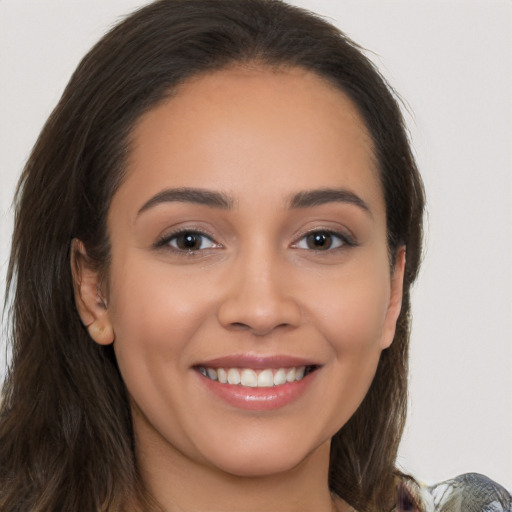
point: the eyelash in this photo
(343, 240)
(165, 242)
(340, 240)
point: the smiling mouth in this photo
(261, 378)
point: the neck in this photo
(182, 485)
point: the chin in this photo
(264, 459)
(259, 467)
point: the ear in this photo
(395, 299)
(89, 299)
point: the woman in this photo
(215, 239)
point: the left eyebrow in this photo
(310, 198)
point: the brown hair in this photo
(65, 428)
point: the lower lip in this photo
(259, 399)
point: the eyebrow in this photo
(214, 199)
(310, 198)
(189, 195)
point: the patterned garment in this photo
(466, 493)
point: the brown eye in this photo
(319, 241)
(190, 241)
(324, 241)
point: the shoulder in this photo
(470, 492)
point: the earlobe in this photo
(90, 303)
(395, 299)
(101, 332)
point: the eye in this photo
(323, 241)
(188, 241)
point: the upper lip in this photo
(256, 362)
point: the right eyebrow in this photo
(205, 197)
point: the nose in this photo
(259, 297)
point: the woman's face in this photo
(248, 243)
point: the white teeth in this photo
(234, 376)
(249, 378)
(222, 375)
(280, 377)
(265, 379)
(254, 378)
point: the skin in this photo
(252, 286)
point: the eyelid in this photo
(163, 242)
(346, 239)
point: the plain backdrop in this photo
(452, 63)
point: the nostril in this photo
(239, 325)
(257, 312)
(257, 330)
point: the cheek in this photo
(351, 310)
(353, 319)
(154, 315)
(156, 318)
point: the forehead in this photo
(248, 126)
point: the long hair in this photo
(66, 438)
